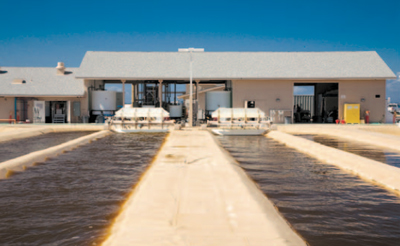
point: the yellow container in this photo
(352, 113)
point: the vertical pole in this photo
(154, 94)
(160, 92)
(168, 86)
(89, 88)
(197, 90)
(123, 102)
(140, 92)
(144, 93)
(69, 112)
(137, 91)
(15, 108)
(191, 93)
(133, 94)
(123, 93)
(175, 94)
(197, 101)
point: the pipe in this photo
(133, 94)
(15, 108)
(123, 93)
(169, 93)
(89, 89)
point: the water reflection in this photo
(15, 148)
(324, 204)
(375, 153)
(72, 199)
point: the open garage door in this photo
(315, 102)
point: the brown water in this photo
(73, 198)
(15, 148)
(324, 204)
(372, 152)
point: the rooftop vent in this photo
(60, 68)
(18, 81)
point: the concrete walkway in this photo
(196, 194)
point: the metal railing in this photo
(9, 120)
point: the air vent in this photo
(18, 81)
(60, 68)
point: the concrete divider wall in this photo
(349, 132)
(34, 130)
(20, 163)
(195, 193)
(374, 171)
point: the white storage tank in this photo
(104, 100)
(175, 111)
(119, 103)
(218, 99)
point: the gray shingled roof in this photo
(234, 65)
(40, 81)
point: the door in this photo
(39, 112)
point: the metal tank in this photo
(119, 100)
(104, 100)
(218, 99)
(175, 111)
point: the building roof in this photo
(234, 65)
(40, 81)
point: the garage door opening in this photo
(315, 102)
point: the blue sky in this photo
(40, 33)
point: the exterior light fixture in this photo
(362, 99)
(278, 100)
(190, 51)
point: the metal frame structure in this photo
(141, 91)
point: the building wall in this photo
(74, 119)
(6, 107)
(7, 104)
(265, 94)
(353, 91)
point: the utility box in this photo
(249, 104)
(352, 113)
